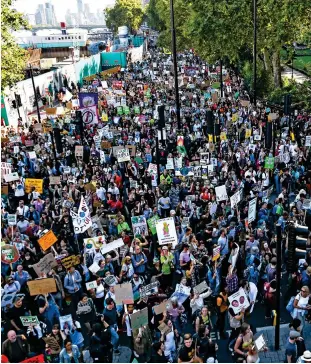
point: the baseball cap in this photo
(294, 334)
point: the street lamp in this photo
(175, 64)
(255, 52)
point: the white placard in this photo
(32, 155)
(106, 248)
(238, 301)
(166, 231)
(12, 220)
(235, 199)
(91, 285)
(94, 268)
(11, 177)
(260, 343)
(123, 155)
(221, 193)
(252, 210)
(308, 141)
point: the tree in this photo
(125, 12)
(13, 57)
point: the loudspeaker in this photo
(161, 116)
(58, 140)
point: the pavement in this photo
(298, 76)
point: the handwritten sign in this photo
(79, 150)
(70, 261)
(45, 264)
(47, 240)
(9, 254)
(55, 180)
(42, 286)
(33, 182)
(124, 293)
(202, 287)
(29, 320)
(139, 319)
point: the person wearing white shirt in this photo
(22, 209)
(100, 192)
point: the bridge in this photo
(35, 28)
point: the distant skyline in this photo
(30, 6)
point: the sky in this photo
(61, 6)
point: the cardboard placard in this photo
(4, 189)
(42, 286)
(55, 180)
(245, 103)
(45, 264)
(132, 149)
(164, 329)
(47, 240)
(70, 261)
(164, 306)
(33, 182)
(29, 320)
(124, 293)
(139, 319)
(106, 145)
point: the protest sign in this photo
(37, 358)
(149, 289)
(202, 287)
(132, 149)
(306, 205)
(252, 210)
(47, 240)
(55, 180)
(123, 155)
(9, 254)
(152, 169)
(260, 343)
(94, 243)
(7, 299)
(33, 182)
(79, 150)
(70, 261)
(308, 141)
(89, 115)
(235, 199)
(82, 220)
(42, 286)
(166, 231)
(238, 301)
(164, 329)
(221, 193)
(216, 253)
(11, 177)
(66, 322)
(4, 189)
(45, 264)
(106, 248)
(269, 162)
(110, 280)
(139, 318)
(139, 225)
(6, 168)
(152, 224)
(94, 268)
(91, 285)
(29, 320)
(170, 163)
(164, 306)
(245, 103)
(12, 219)
(124, 293)
(32, 155)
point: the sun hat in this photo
(306, 355)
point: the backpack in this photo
(290, 306)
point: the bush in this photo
(264, 79)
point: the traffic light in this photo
(298, 236)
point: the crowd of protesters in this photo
(233, 154)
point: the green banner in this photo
(126, 110)
(151, 223)
(4, 115)
(269, 162)
(120, 110)
(137, 109)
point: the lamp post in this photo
(34, 90)
(175, 64)
(278, 286)
(255, 52)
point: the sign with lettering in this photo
(139, 318)
(221, 193)
(70, 261)
(9, 254)
(55, 180)
(47, 240)
(29, 320)
(42, 286)
(45, 264)
(33, 182)
(124, 293)
(123, 155)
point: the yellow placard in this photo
(210, 138)
(223, 136)
(104, 117)
(33, 182)
(110, 71)
(248, 133)
(235, 117)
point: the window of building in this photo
(49, 38)
(79, 36)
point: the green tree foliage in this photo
(125, 12)
(13, 57)
(224, 28)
